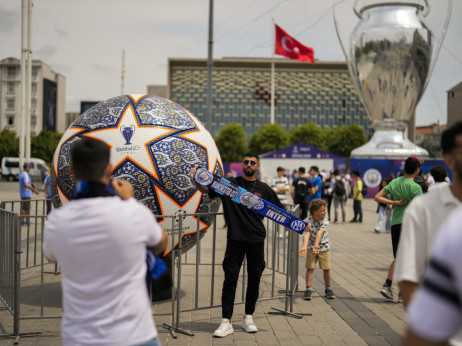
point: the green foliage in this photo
(269, 138)
(428, 147)
(308, 133)
(231, 142)
(9, 143)
(342, 140)
(43, 145)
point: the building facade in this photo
(454, 104)
(321, 93)
(429, 137)
(48, 101)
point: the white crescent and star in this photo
(286, 40)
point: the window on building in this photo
(34, 72)
(33, 120)
(10, 104)
(10, 87)
(34, 88)
(10, 120)
(451, 95)
(33, 104)
(11, 70)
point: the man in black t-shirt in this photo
(301, 189)
(246, 237)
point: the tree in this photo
(428, 147)
(9, 143)
(231, 142)
(43, 145)
(308, 133)
(342, 140)
(269, 138)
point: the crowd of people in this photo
(421, 212)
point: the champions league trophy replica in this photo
(391, 54)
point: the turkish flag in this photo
(289, 47)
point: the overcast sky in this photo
(83, 40)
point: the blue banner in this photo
(241, 196)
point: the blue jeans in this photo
(384, 211)
(152, 342)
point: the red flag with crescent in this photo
(289, 47)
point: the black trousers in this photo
(395, 235)
(234, 255)
(358, 210)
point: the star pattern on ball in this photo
(137, 154)
(196, 135)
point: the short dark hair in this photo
(280, 169)
(411, 165)
(356, 172)
(251, 155)
(316, 204)
(314, 168)
(301, 169)
(89, 159)
(448, 137)
(438, 173)
(336, 172)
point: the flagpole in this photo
(272, 74)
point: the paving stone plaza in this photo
(359, 315)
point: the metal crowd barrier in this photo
(281, 258)
(23, 267)
(9, 266)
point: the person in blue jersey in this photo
(316, 183)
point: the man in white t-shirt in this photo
(435, 314)
(100, 241)
(424, 216)
(280, 185)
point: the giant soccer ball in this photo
(154, 144)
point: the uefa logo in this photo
(127, 132)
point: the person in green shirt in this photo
(402, 191)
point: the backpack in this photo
(364, 189)
(339, 187)
(301, 189)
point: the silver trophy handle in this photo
(425, 10)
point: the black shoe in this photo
(329, 294)
(352, 221)
(307, 294)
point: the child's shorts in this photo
(323, 257)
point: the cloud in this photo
(8, 19)
(60, 32)
(45, 52)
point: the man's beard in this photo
(249, 172)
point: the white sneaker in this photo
(224, 329)
(248, 324)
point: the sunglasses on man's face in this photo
(249, 162)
